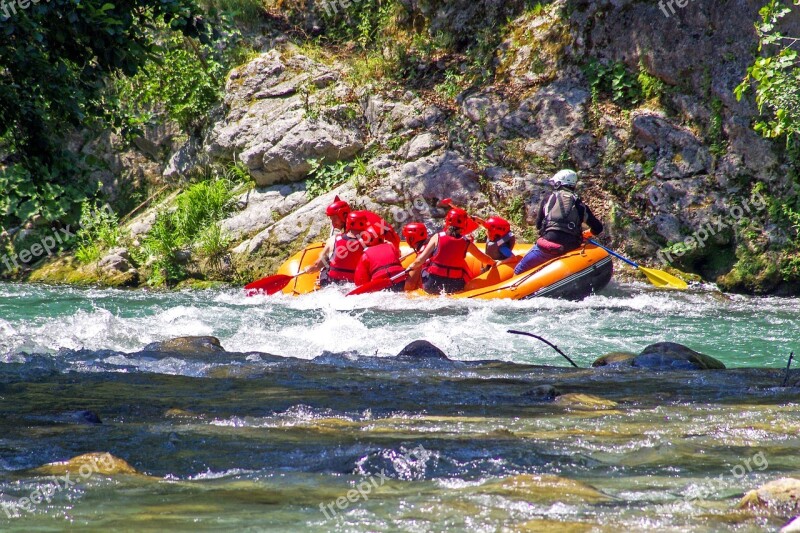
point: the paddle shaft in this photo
(615, 254)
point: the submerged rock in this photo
(422, 350)
(585, 402)
(674, 356)
(543, 393)
(86, 465)
(782, 495)
(201, 344)
(614, 358)
(544, 489)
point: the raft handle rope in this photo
(788, 365)
(550, 344)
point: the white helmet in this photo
(564, 178)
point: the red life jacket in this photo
(448, 261)
(382, 261)
(346, 254)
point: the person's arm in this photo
(592, 221)
(540, 213)
(324, 257)
(426, 253)
(480, 256)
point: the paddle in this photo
(382, 283)
(475, 221)
(379, 284)
(659, 278)
(270, 284)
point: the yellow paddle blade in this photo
(659, 278)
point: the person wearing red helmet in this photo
(338, 260)
(448, 251)
(500, 241)
(416, 235)
(380, 260)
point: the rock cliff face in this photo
(675, 164)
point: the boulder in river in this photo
(584, 402)
(422, 349)
(674, 356)
(781, 495)
(86, 465)
(543, 393)
(187, 345)
(614, 358)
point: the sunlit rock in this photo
(781, 495)
(201, 344)
(87, 464)
(674, 356)
(614, 358)
(544, 489)
(585, 402)
(422, 350)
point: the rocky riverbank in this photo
(665, 152)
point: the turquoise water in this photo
(740, 331)
(308, 404)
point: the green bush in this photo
(198, 211)
(776, 77)
(99, 231)
(613, 80)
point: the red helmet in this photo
(370, 237)
(357, 221)
(456, 218)
(338, 207)
(496, 227)
(415, 233)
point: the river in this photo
(308, 405)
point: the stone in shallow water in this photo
(543, 393)
(544, 489)
(781, 495)
(422, 350)
(674, 356)
(86, 465)
(585, 402)
(187, 345)
(614, 358)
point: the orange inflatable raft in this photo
(574, 275)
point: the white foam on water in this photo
(736, 329)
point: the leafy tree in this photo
(776, 76)
(56, 58)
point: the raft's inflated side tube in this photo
(572, 276)
(302, 259)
